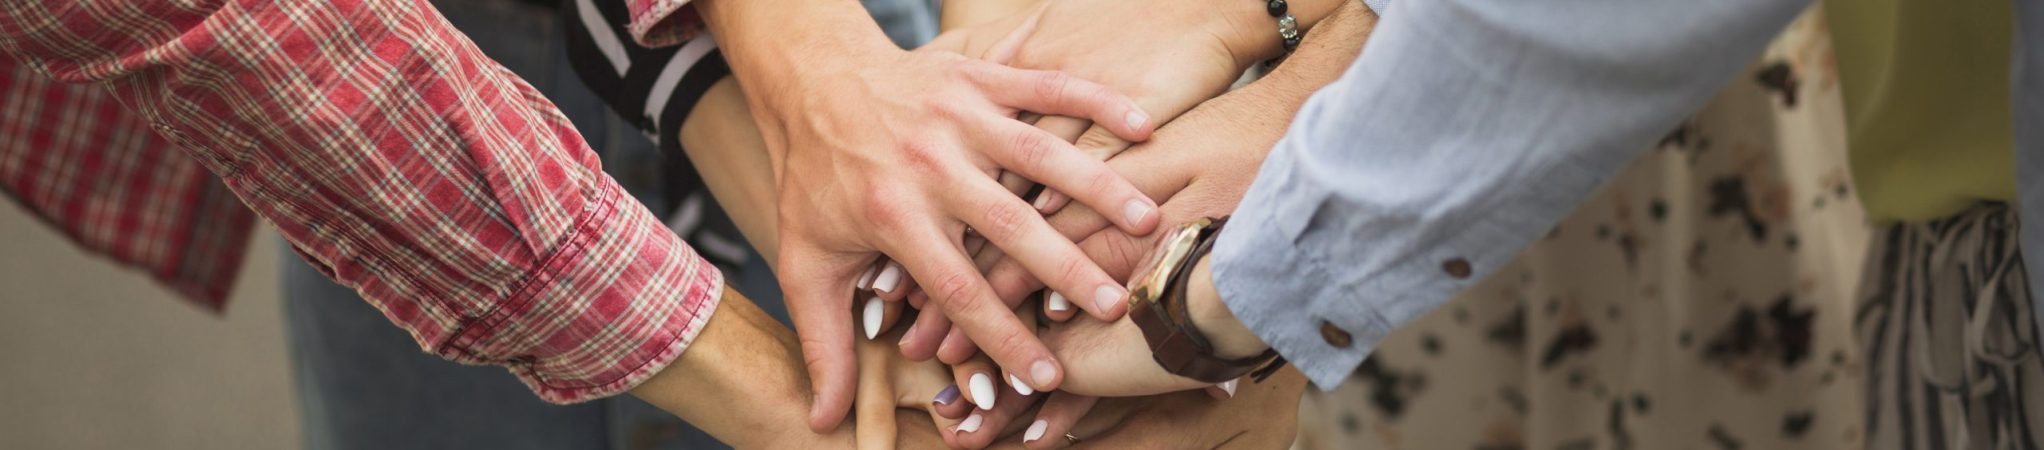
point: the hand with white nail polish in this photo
(891, 153)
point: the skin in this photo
(908, 143)
(1200, 166)
(740, 379)
(735, 159)
(1124, 46)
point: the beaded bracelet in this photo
(1288, 26)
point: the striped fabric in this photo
(656, 88)
(382, 144)
(1950, 350)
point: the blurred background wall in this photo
(95, 356)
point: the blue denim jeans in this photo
(365, 384)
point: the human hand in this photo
(880, 159)
(1255, 415)
(1164, 55)
(888, 383)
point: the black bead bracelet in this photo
(1288, 27)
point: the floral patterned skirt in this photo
(1702, 300)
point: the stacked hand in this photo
(897, 200)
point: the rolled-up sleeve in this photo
(1465, 130)
(661, 23)
(404, 164)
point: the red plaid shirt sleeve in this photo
(390, 152)
(660, 23)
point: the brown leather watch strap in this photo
(1176, 343)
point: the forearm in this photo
(741, 379)
(1319, 60)
(771, 44)
(725, 147)
(1253, 33)
(407, 166)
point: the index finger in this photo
(1051, 92)
(956, 286)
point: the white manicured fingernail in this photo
(1058, 303)
(874, 311)
(1229, 387)
(1035, 431)
(1136, 119)
(866, 279)
(982, 390)
(1134, 211)
(970, 424)
(1042, 201)
(1020, 387)
(889, 278)
(1105, 297)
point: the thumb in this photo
(819, 301)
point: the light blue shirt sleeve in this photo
(1465, 130)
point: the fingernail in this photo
(874, 311)
(1058, 303)
(1043, 371)
(947, 396)
(982, 390)
(1136, 119)
(970, 424)
(1106, 296)
(1229, 387)
(866, 279)
(1035, 431)
(1020, 387)
(1135, 210)
(1042, 201)
(889, 278)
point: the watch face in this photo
(1150, 278)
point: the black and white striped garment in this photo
(654, 89)
(1950, 346)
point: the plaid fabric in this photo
(75, 158)
(382, 144)
(661, 23)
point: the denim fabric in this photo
(364, 384)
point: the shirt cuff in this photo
(1378, 6)
(1287, 301)
(618, 301)
(661, 23)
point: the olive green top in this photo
(1926, 87)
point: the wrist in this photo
(778, 50)
(1251, 34)
(1229, 336)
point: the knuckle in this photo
(1030, 149)
(1125, 249)
(1004, 220)
(922, 154)
(1012, 345)
(955, 288)
(1102, 183)
(1100, 143)
(1052, 85)
(882, 211)
(1074, 271)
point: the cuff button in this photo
(1458, 268)
(1334, 335)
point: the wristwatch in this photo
(1157, 305)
